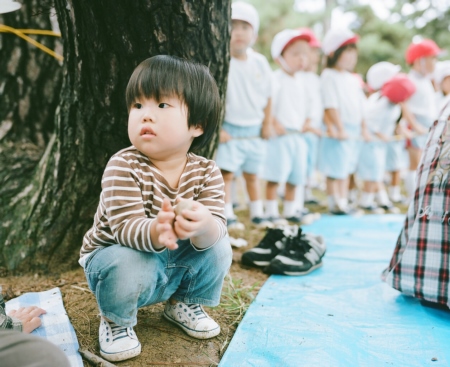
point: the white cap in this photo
(336, 38)
(7, 6)
(283, 38)
(380, 73)
(441, 71)
(247, 13)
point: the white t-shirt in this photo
(342, 90)
(290, 99)
(423, 102)
(316, 107)
(248, 91)
(382, 115)
(441, 101)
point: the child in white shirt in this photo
(313, 133)
(247, 114)
(343, 100)
(287, 151)
(442, 82)
(422, 58)
(383, 111)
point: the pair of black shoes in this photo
(286, 253)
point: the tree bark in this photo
(103, 42)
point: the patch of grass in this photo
(236, 298)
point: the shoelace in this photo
(295, 243)
(196, 308)
(273, 235)
(118, 332)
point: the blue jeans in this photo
(124, 279)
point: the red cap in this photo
(398, 89)
(420, 49)
(313, 41)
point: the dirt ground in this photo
(163, 344)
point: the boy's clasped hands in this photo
(188, 219)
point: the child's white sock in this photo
(256, 209)
(300, 198)
(395, 193)
(331, 202)
(410, 183)
(353, 195)
(342, 203)
(366, 199)
(382, 198)
(289, 209)
(272, 208)
(229, 213)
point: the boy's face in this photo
(348, 59)
(296, 55)
(241, 36)
(159, 129)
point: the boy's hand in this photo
(279, 129)
(192, 221)
(164, 226)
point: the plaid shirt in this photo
(420, 265)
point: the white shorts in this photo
(286, 159)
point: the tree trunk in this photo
(30, 79)
(102, 45)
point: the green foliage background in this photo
(380, 40)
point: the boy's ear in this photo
(197, 131)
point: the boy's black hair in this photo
(333, 59)
(167, 76)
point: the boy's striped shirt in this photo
(132, 193)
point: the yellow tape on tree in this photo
(21, 33)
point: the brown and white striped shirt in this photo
(132, 193)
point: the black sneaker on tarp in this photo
(301, 255)
(269, 247)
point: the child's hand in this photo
(164, 226)
(29, 316)
(224, 136)
(279, 129)
(342, 135)
(193, 221)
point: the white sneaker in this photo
(117, 343)
(192, 319)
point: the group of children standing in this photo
(282, 126)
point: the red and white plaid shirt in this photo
(420, 265)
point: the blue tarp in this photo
(342, 314)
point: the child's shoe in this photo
(390, 208)
(269, 247)
(117, 343)
(259, 222)
(193, 319)
(278, 221)
(233, 224)
(302, 254)
(373, 209)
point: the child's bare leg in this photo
(410, 179)
(256, 205)
(228, 181)
(332, 193)
(290, 204)
(394, 188)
